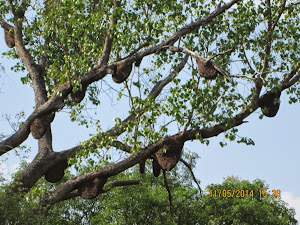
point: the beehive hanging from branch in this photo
(57, 172)
(206, 69)
(142, 166)
(155, 167)
(121, 72)
(270, 103)
(78, 96)
(9, 39)
(169, 158)
(39, 126)
(92, 188)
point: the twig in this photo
(192, 173)
(198, 57)
(279, 15)
(222, 53)
(241, 76)
(169, 191)
(119, 183)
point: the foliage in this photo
(148, 203)
(68, 48)
(255, 209)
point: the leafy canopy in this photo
(155, 52)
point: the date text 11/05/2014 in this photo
(244, 193)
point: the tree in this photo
(250, 204)
(67, 47)
(147, 203)
(192, 208)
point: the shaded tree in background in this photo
(188, 70)
(147, 203)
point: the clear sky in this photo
(274, 158)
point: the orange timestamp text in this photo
(243, 193)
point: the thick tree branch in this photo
(107, 171)
(39, 166)
(21, 135)
(34, 70)
(117, 168)
(5, 25)
(108, 187)
(37, 77)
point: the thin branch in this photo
(193, 109)
(169, 192)
(292, 4)
(44, 56)
(282, 9)
(269, 41)
(182, 32)
(195, 25)
(192, 173)
(122, 146)
(243, 76)
(119, 183)
(247, 60)
(292, 73)
(221, 53)
(196, 56)
(290, 83)
(263, 73)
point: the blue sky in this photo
(274, 158)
